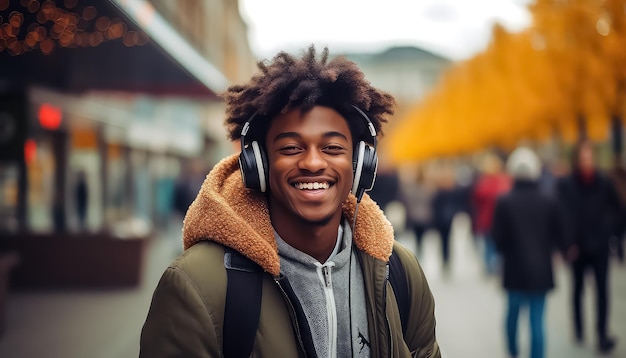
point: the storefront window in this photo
(84, 194)
(142, 189)
(41, 211)
(117, 200)
(164, 172)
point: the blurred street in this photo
(113, 112)
(86, 323)
(470, 306)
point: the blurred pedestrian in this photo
(527, 226)
(386, 188)
(490, 184)
(81, 197)
(187, 185)
(465, 180)
(448, 201)
(386, 193)
(417, 195)
(618, 176)
(591, 206)
(285, 254)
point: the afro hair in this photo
(287, 83)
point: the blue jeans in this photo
(491, 255)
(536, 303)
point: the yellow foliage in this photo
(570, 64)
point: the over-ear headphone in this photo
(364, 161)
(254, 166)
(253, 161)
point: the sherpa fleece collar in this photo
(225, 212)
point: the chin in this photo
(317, 221)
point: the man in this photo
(527, 227)
(308, 129)
(591, 205)
(617, 174)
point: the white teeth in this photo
(312, 186)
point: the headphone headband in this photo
(245, 129)
(370, 126)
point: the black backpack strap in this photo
(397, 278)
(243, 304)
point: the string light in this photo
(90, 13)
(68, 26)
(33, 6)
(70, 3)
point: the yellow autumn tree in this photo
(612, 24)
(573, 32)
(564, 75)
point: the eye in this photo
(334, 149)
(290, 149)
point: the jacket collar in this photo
(225, 212)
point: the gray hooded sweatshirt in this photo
(332, 296)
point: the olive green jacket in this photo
(187, 311)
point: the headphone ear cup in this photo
(253, 166)
(364, 165)
(370, 167)
(357, 167)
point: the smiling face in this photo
(310, 166)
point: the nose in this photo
(312, 161)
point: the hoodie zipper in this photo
(292, 313)
(324, 273)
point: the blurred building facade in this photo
(124, 91)
(406, 72)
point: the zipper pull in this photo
(327, 277)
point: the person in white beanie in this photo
(527, 227)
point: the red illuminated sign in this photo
(50, 116)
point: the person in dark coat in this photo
(386, 188)
(592, 207)
(527, 226)
(447, 202)
(82, 198)
(617, 174)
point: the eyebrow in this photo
(296, 135)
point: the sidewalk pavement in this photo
(470, 305)
(469, 309)
(86, 323)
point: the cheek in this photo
(278, 171)
(276, 165)
(347, 173)
(275, 174)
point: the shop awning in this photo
(116, 45)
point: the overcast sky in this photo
(456, 29)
